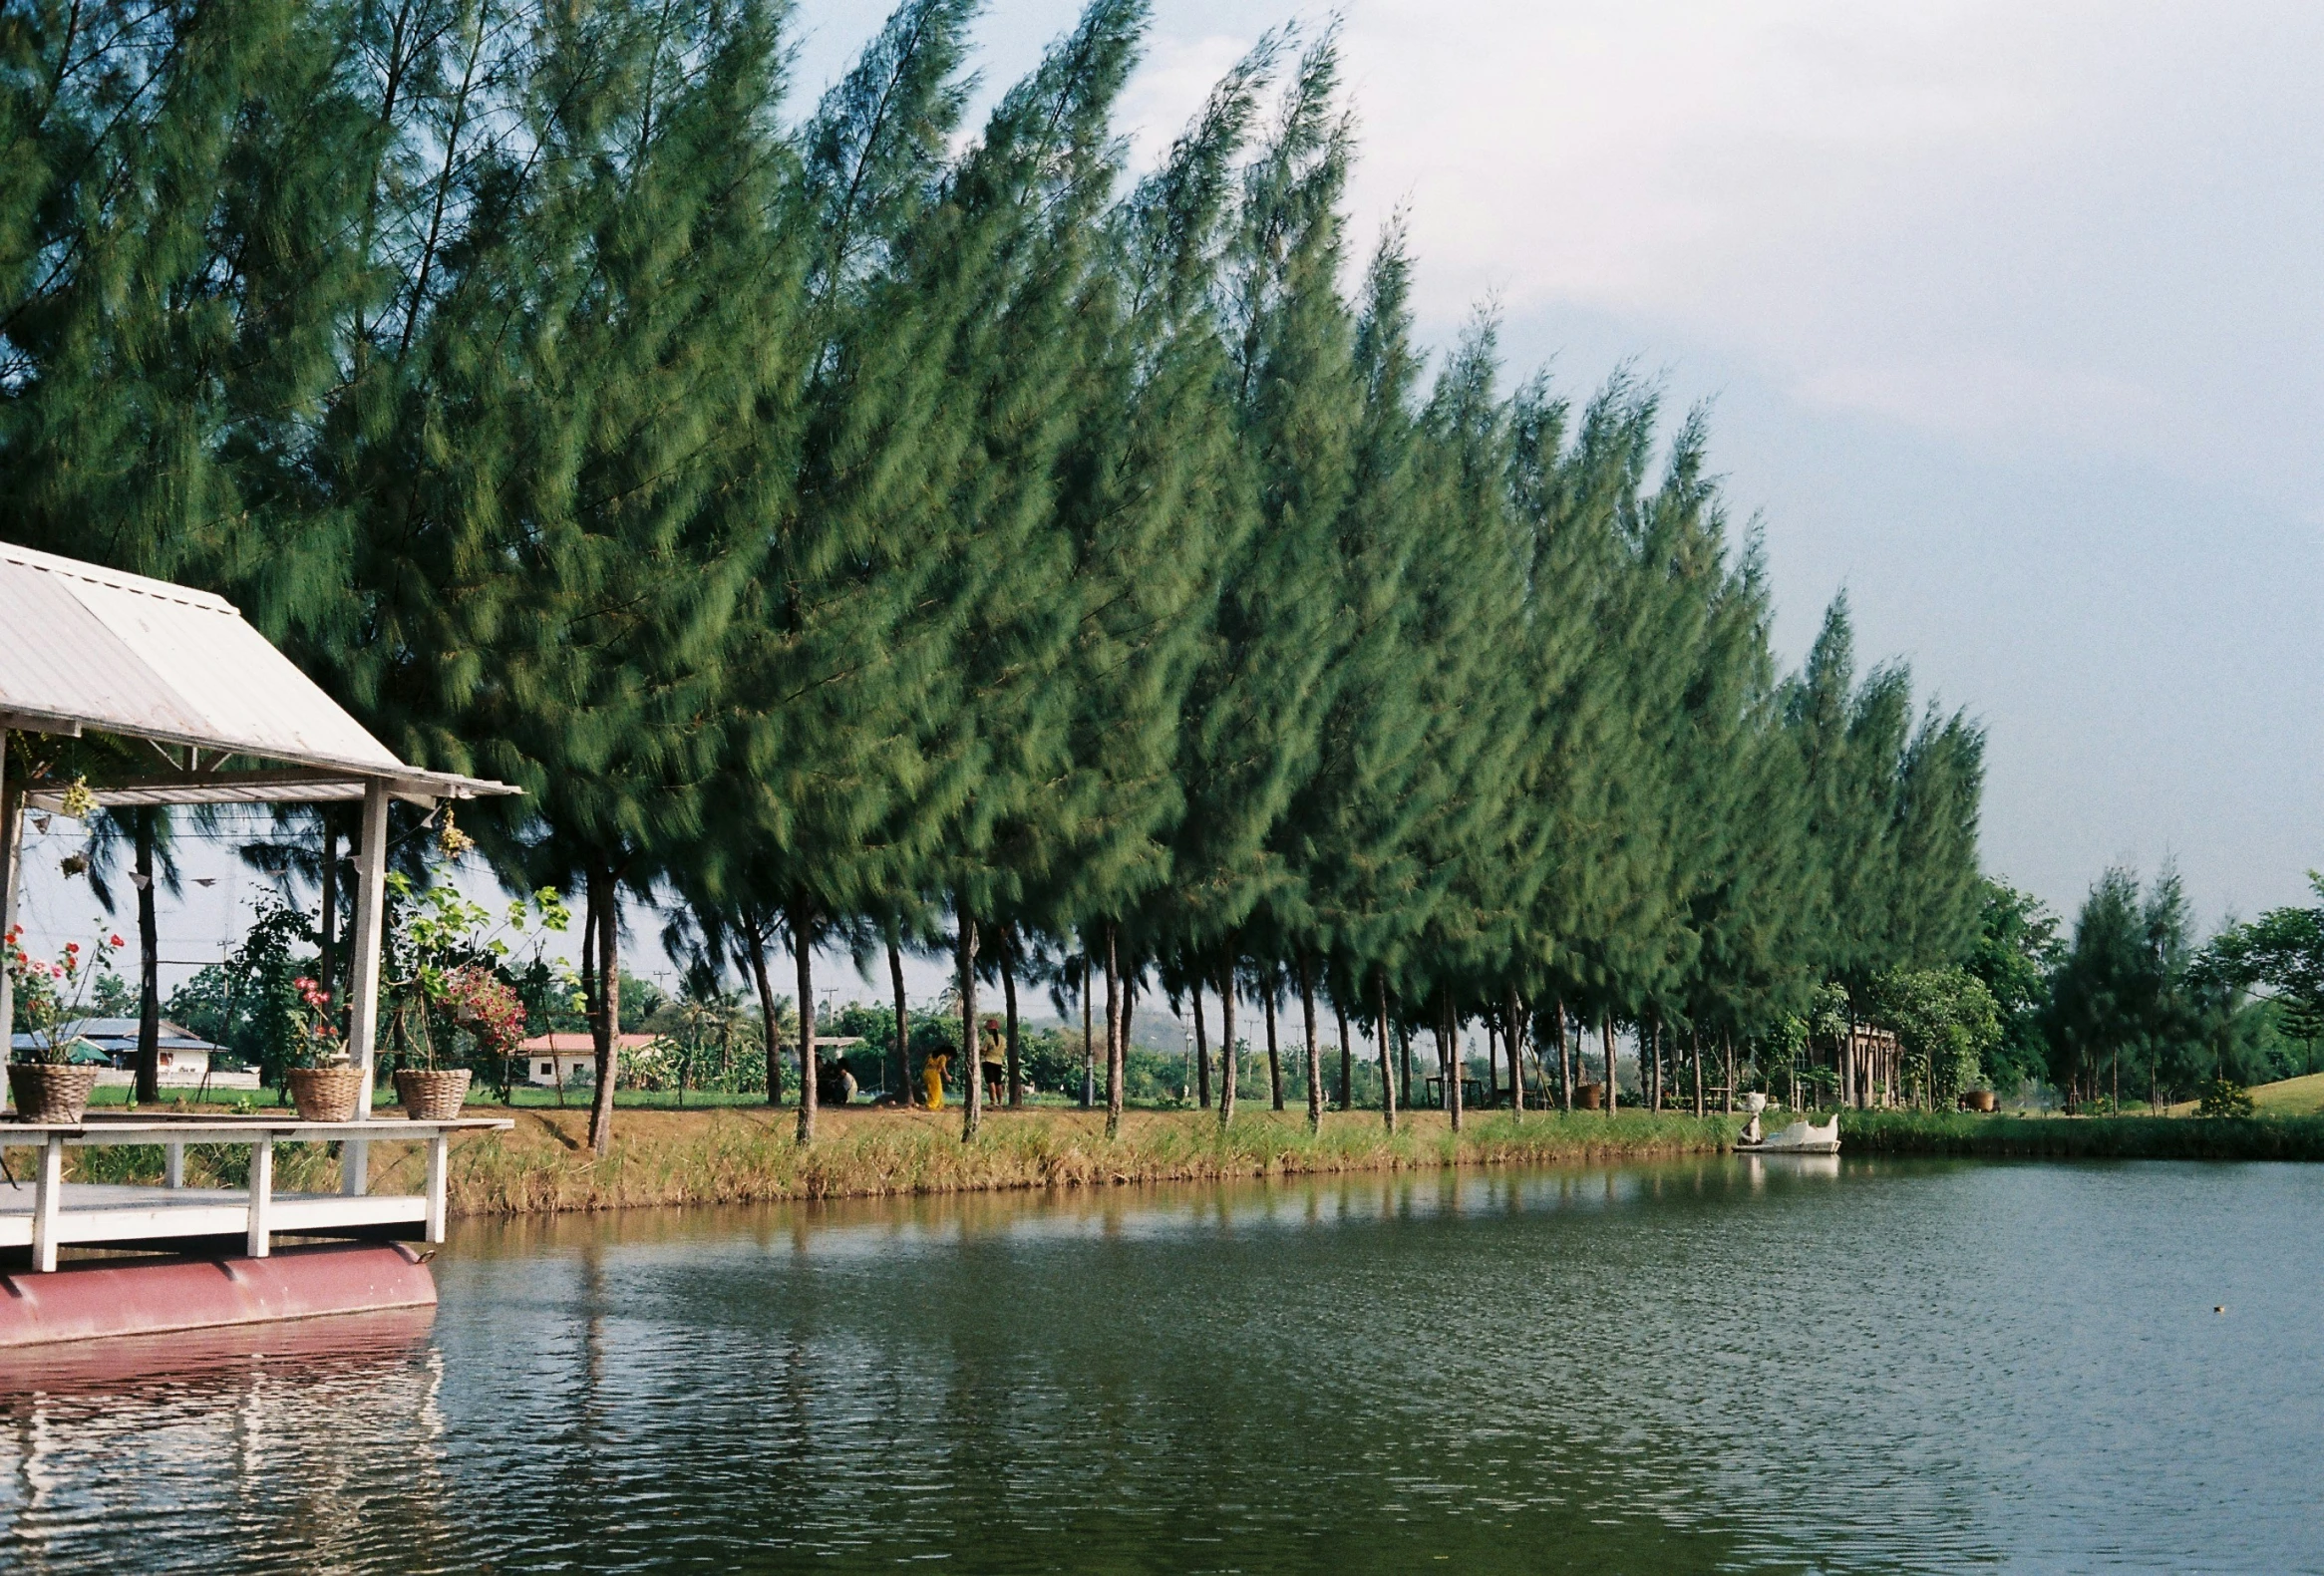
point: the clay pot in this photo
(1589, 1096)
(1980, 1100)
(326, 1093)
(58, 1094)
(432, 1095)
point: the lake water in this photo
(1723, 1365)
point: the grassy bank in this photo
(747, 1155)
(2261, 1137)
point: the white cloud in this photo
(2104, 207)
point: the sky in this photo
(2009, 317)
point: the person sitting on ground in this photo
(992, 1050)
(833, 1083)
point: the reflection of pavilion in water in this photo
(263, 1437)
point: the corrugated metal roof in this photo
(122, 654)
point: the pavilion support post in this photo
(47, 1200)
(174, 1165)
(261, 1199)
(363, 977)
(11, 861)
(439, 1165)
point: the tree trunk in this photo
(1702, 1094)
(972, 1112)
(149, 1074)
(770, 1021)
(803, 930)
(1274, 1058)
(1089, 1045)
(1729, 1040)
(1387, 1067)
(1515, 1031)
(1564, 1055)
(1314, 1045)
(1116, 1053)
(1201, 1045)
(605, 1020)
(1613, 1067)
(1404, 1063)
(1449, 1055)
(1228, 1059)
(1009, 1006)
(1347, 1058)
(904, 1024)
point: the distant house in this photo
(556, 1060)
(185, 1056)
(566, 1058)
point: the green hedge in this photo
(2105, 1138)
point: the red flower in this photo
(115, 941)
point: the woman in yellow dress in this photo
(932, 1079)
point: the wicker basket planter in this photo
(1589, 1096)
(326, 1093)
(51, 1093)
(432, 1095)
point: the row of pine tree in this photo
(850, 527)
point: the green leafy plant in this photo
(2223, 1097)
(450, 959)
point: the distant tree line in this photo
(851, 531)
(2137, 1009)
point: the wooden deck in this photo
(44, 1212)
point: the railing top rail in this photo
(102, 1130)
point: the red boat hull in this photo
(93, 1301)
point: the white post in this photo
(363, 1004)
(261, 1196)
(11, 859)
(47, 1201)
(439, 1153)
(174, 1165)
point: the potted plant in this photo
(477, 1000)
(447, 958)
(324, 1083)
(48, 993)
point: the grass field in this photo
(747, 1153)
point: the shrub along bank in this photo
(2093, 1137)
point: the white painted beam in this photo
(48, 1201)
(363, 1004)
(261, 1199)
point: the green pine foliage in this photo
(847, 527)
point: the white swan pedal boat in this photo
(1802, 1137)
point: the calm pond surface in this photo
(1723, 1365)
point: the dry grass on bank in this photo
(748, 1155)
(745, 1154)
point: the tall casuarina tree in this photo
(1256, 698)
